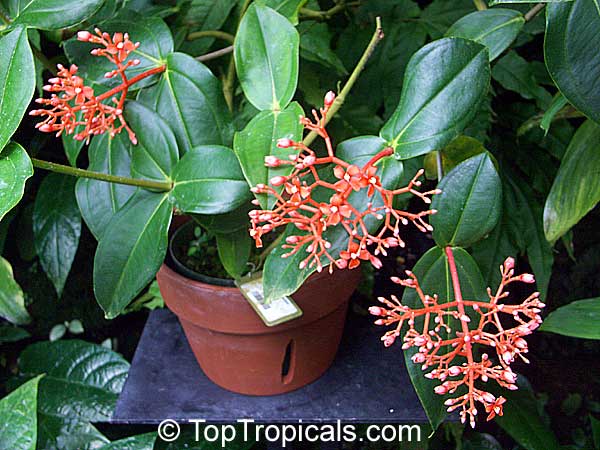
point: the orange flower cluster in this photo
(295, 203)
(71, 96)
(482, 326)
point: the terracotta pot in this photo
(237, 351)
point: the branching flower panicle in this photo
(70, 95)
(453, 359)
(295, 203)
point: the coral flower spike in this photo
(295, 203)
(448, 353)
(70, 96)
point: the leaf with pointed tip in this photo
(571, 53)
(98, 200)
(287, 8)
(495, 28)
(12, 303)
(470, 203)
(434, 277)
(128, 257)
(259, 139)
(15, 170)
(18, 429)
(156, 154)
(52, 14)
(576, 188)
(266, 52)
(234, 252)
(578, 319)
(209, 180)
(443, 84)
(56, 227)
(190, 99)
(17, 81)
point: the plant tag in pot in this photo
(272, 313)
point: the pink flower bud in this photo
(329, 99)
(278, 181)
(454, 370)
(527, 278)
(509, 263)
(389, 340)
(84, 36)
(377, 311)
(272, 161)
(489, 398)
(418, 358)
(284, 143)
(509, 376)
(441, 389)
(292, 239)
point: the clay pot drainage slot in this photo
(287, 366)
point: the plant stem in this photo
(440, 165)
(480, 5)
(215, 54)
(74, 171)
(339, 100)
(211, 33)
(311, 14)
(534, 11)
(130, 82)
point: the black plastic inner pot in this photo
(179, 239)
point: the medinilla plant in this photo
(133, 96)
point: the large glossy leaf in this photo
(259, 139)
(129, 256)
(139, 442)
(578, 319)
(12, 302)
(98, 200)
(56, 227)
(470, 203)
(82, 380)
(495, 28)
(15, 169)
(18, 428)
(282, 276)
(209, 180)
(151, 32)
(17, 81)
(576, 188)
(315, 46)
(443, 84)
(156, 154)
(571, 53)
(10, 333)
(434, 277)
(190, 99)
(234, 252)
(266, 57)
(287, 8)
(226, 223)
(52, 14)
(521, 418)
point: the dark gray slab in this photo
(366, 384)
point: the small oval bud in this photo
(509, 263)
(278, 181)
(527, 278)
(329, 99)
(84, 36)
(284, 143)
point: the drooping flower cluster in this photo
(70, 96)
(450, 353)
(295, 203)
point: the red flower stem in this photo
(461, 310)
(131, 82)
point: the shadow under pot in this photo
(233, 346)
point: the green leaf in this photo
(234, 252)
(571, 53)
(72, 148)
(461, 148)
(9, 333)
(225, 223)
(156, 154)
(156, 43)
(266, 57)
(315, 46)
(282, 276)
(52, 14)
(63, 433)
(441, 14)
(521, 419)
(287, 8)
(98, 200)
(139, 442)
(450, 75)
(576, 188)
(15, 170)
(595, 423)
(499, 2)
(209, 180)
(56, 227)
(558, 103)
(516, 74)
(187, 92)
(82, 381)
(470, 203)
(18, 429)
(578, 319)
(12, 303)
(17, 82)
(495, 28)
(128, 257)
(205, 15)
(259, 139)
(434, 277)
(56, 332)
